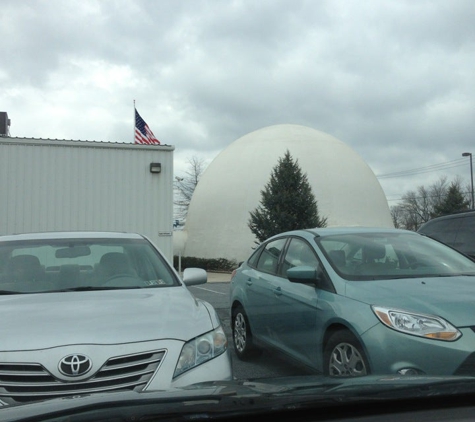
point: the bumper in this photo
(390, 351)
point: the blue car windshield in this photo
(369, 256)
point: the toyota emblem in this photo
(75, 365)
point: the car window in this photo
(52, 260)
(361, 257)
(465, 237)
(299, 253)
(148, 267)
(337, 250)
(444, 230)
(269, 258)
(252, 261)
(42, 266)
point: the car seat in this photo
(115, 263)
(24, 268)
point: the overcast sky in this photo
(393, 79)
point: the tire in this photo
(242, 336)
(343, 356)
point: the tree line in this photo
(427, 202)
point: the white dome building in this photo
(346, 189)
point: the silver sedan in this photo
(87, 312)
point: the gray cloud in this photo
(393, 79)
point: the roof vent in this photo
(4, 124)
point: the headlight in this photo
(428, 326)
(201, 349)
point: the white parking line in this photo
(209, 290)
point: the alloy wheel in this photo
(346, 360)
(240, 332)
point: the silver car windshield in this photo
(369, 256)
(81, 264)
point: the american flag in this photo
(143, 134)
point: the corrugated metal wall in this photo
(73, 185)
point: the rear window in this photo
(444, 230)
(457, 231)
(465, 237)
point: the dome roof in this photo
(346, 189)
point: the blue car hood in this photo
(452, 298)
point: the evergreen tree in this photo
(287, 202)
(454, 202)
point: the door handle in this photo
(249, 282)
(278, 291)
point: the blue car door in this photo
(260, 307)
(296, 306)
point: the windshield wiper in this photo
(98, 288)
(92, 288)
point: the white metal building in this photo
(56, 185)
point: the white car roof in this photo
(70, 235)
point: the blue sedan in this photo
(357, 301)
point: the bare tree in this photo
(424, 203)
(397, 215)
(186, 185)
(417, 207)
(438, 191)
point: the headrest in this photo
(374, 251)
(113, 258)
(338, 257)
(23, 262)
(115, 263)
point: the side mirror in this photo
(303, 274)
(194, 276)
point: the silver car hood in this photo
(38, 321)
(451, 298)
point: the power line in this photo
(427, 169)
(419, 170)
(400, 197)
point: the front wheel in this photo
(242, 336)
(344, 357)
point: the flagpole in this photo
(133, 120)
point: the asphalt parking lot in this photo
(268, 364)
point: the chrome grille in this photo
(31, 381)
